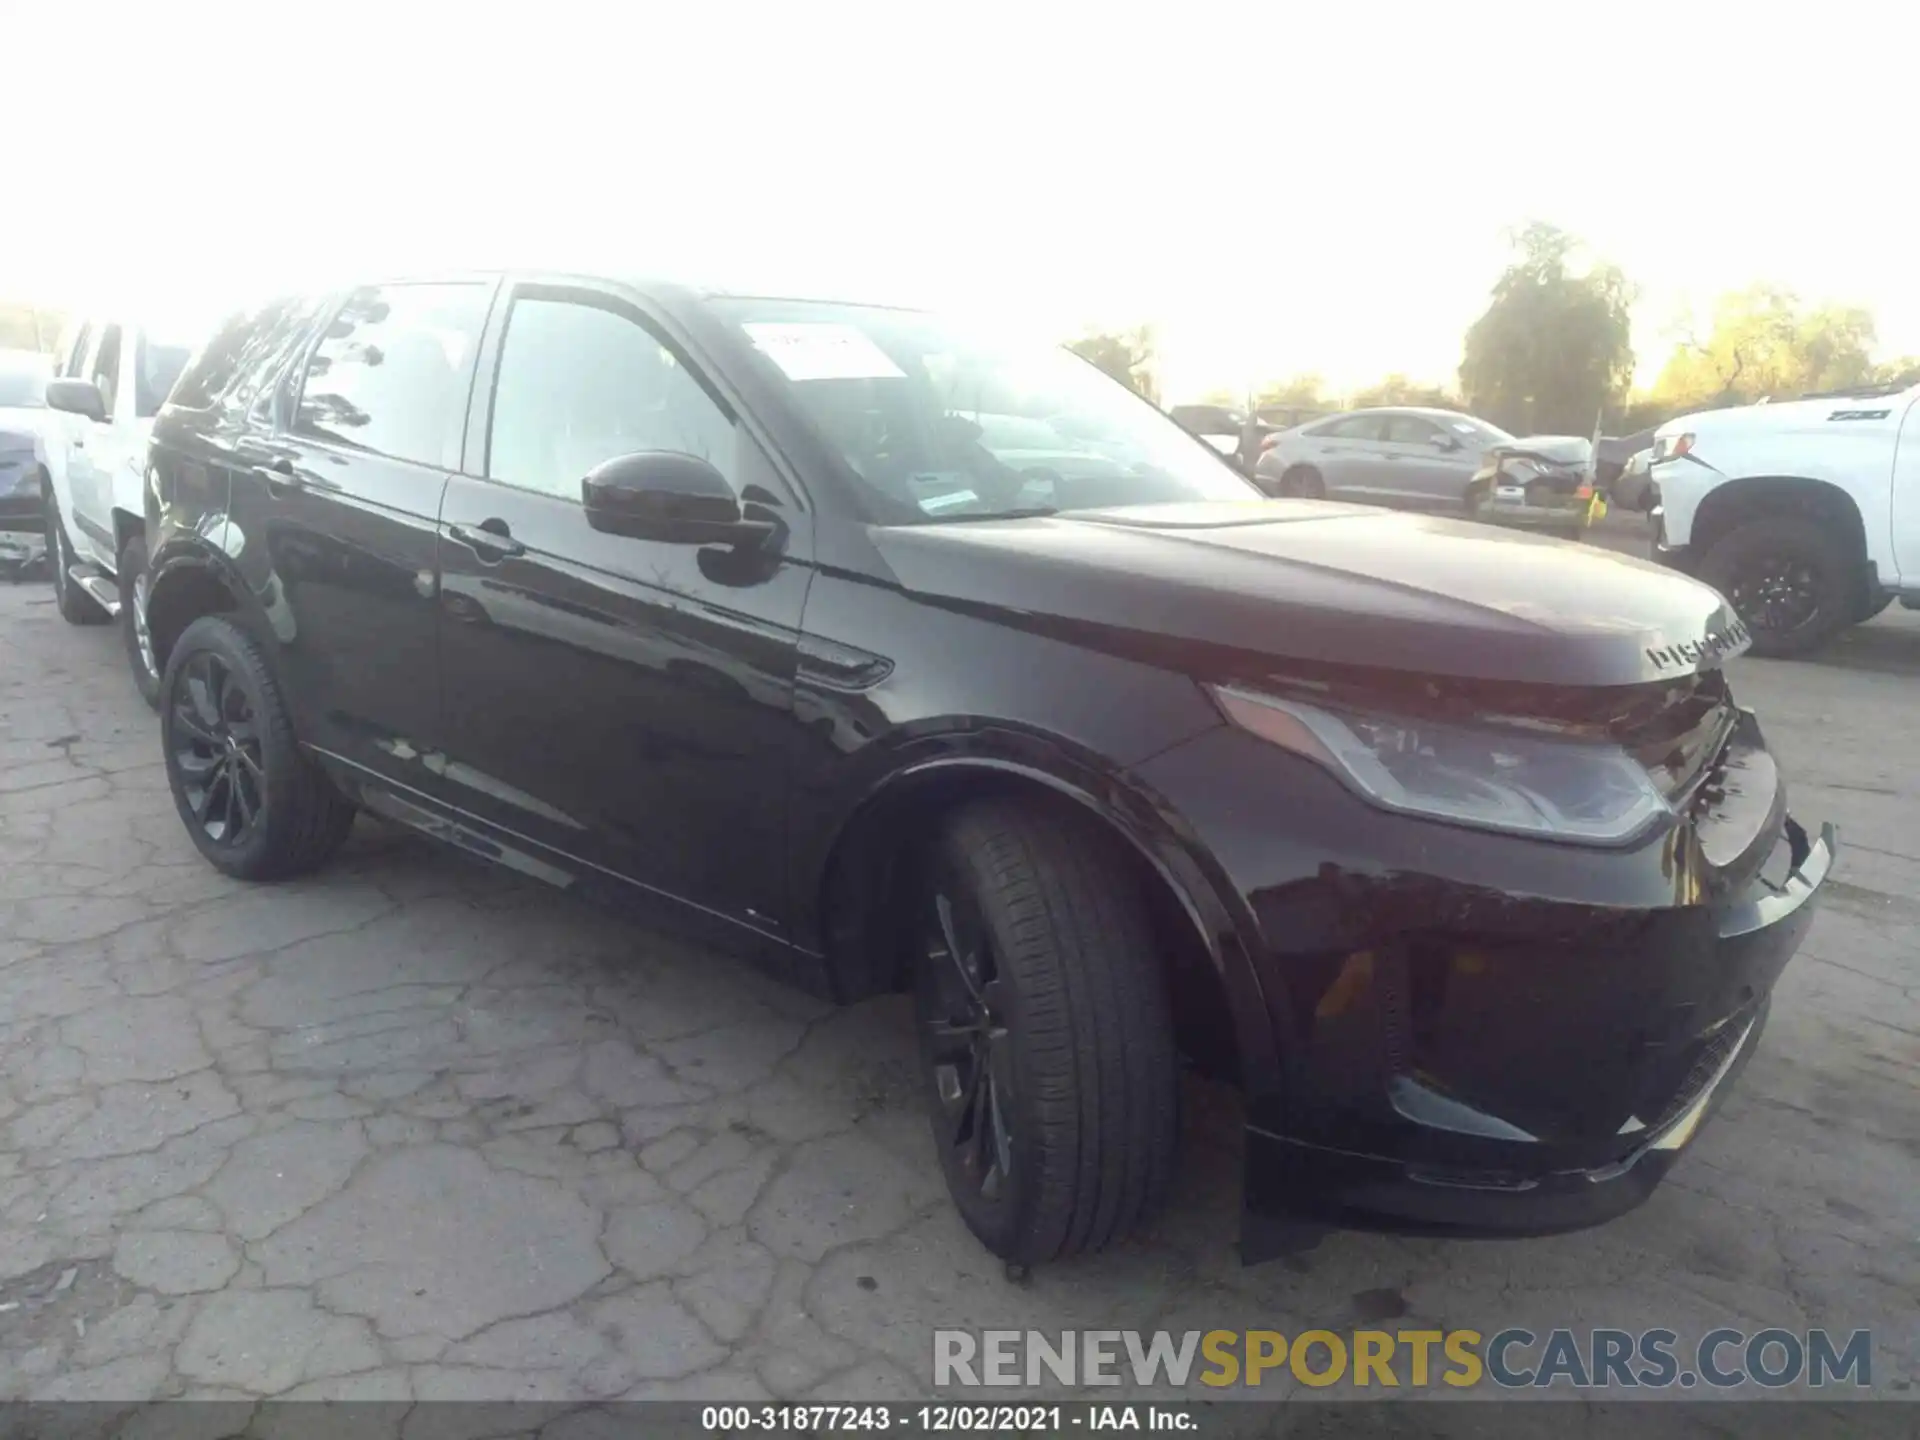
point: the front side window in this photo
(939, 420)
(1411, 430)
(106, 368)
(76, 358)
(580, 384)
(391, 371)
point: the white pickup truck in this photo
(112, 376)
(1806, 515)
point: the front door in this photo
(1425, 463)
(98, 445)
(1906, 499)
(627, 702)
(332, 516)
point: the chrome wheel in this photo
(57, 552)
(216, 750)
(967, 1046)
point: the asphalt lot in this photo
(416, 1129)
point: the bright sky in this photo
(1276, 192)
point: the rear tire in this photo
(1045, 1034)
(1303, 482)
(1790, 579)
(77, 607)
(255, 806)
(133, 621)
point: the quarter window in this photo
(580, 384)
(391, 371)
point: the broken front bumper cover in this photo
(1297, 1189)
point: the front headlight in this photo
(1492, 779)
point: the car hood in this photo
(1787, 414)
(1571, 450)
(1325, 584)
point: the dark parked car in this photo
(1450, 846)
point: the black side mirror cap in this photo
(667, 496)
(76, 397)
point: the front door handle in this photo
(491, 540)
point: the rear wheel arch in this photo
(869, 868)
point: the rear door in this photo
(624, 701)
(1347, 453)
(336, 490)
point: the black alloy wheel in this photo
(1790, 577)
(254, 804)
(962, 1006)
(1777, 593)
(1045, 1033)
(216, 750)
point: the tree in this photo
(1763, 342)
(1298, 392)
(1399, 390)
(1127, 355)
(28, 327)
(1554, 347)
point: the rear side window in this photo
(1351, 427)
(392, 370)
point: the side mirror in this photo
(77, 397)
(664, 495)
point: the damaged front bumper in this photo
(1452, 1170)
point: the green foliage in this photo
(1127, 355)
(1554, 347)
(1763, 342)
(28, 327)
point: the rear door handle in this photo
(491, 539)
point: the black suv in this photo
(901, 657)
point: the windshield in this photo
(23, 380)
(942, 422)
(1479, 433)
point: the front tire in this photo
(77, 607)
(1789, 578)
(1045, 1035)
(254, 805)
(133, 621)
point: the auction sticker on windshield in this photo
(817, 350)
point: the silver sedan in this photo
(1401, 457)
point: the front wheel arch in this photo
(1209, 976)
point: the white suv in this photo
(1806, 515)
(113, 376)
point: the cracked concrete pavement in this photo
(414, 1129)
